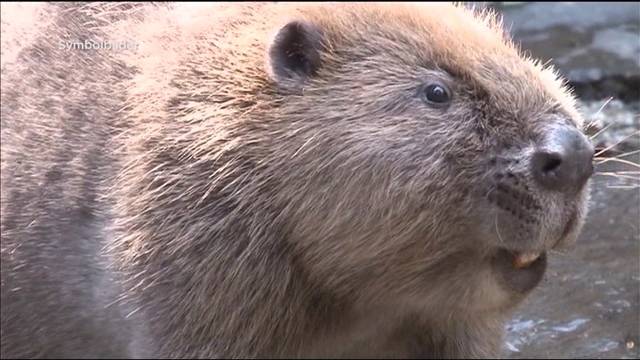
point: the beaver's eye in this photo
(436, 94)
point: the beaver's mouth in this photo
(523, 260)
(520, 271)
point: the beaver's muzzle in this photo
(564, 162)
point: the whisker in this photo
(598, 112)
(603, 106)
(600, 132)
(624, 187)
(617, 175)
(628, 172)
(625, 154)
(617, 143)
(616, 160)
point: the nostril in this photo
(547, 169)
(550, 161)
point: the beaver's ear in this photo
(294, 52)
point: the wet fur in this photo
(181, 200)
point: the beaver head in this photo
(423, 152)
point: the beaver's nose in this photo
(564, 162)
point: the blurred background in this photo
(589, 303)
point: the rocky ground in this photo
(595, 45)
(589, 304)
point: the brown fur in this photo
(179, 200)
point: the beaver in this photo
(278, 180)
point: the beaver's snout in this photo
(564, 162)
(539, 193)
